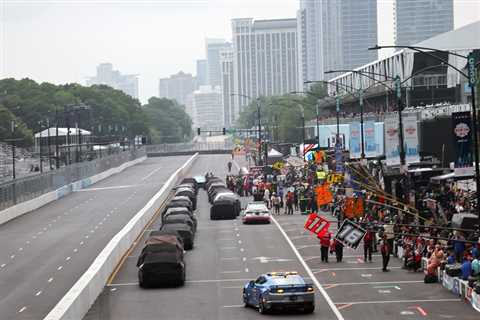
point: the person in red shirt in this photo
(324, 246)
(368, 245)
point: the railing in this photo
(27, 188)
(190, 147)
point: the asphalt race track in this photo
(227, 254)
(43, 253)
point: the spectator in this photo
(385, 250)
(266, 197)
(476, 250)
(458, 245)
(466, 268)
(451, 257)
(435, 260)
(275, 200)
(368, 245)
(337, 247)
(324, 246)
(289, 208)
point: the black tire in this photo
(261, 307)
(309, 309)
(245, 303)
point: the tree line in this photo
(109, 113)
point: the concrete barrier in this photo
(78, 300)
(30, 205)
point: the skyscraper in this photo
(177, 87)
(207, 108)
(335, 35)
(213, 48)
(228, 78)
(264, 58)
(201, 73)
(418, 20)
(113, 78)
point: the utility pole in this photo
(48, 144)
(318, 122)
(57, 153)
(362, 155)
(398, 90)
(40, 143)
(12, 123)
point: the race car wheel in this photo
(309, 309)
(261, 307)
(245, 302)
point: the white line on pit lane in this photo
(22, 309)
(347, 269)
(371, 283)
(232, 271)
(234, 306)
(309, 272)
(228, 259)
(150, 174)
(400, 301)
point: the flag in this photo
(323, 194)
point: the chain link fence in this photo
(27, 188)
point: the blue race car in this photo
(285, 290)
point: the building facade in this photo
(207, 108)
(227, 85)
(201, 73)
(418, 20)
(265, 58)
(177, 87)
(335, 35)
(113, 78)
(213, 48)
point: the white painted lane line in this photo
(22, 309)
(75, 250)
(242, 250)
(3, 265)
(244, 259)
(399, 301)
(27, 242)
(348, 269)
(38, 293)
(151, 174)
(12, 256)
(20, 249)
(81, 243)
(228, 248)
(234, 306)
(246, 270)
(238, 288)
(50, 280)
(232, 271)
(371, 283)
(226, 239)
(239, 241)
(228, 259)
(67, 258)
(60, 268)
(309, 272)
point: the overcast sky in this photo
(63, 41)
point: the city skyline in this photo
(61, 58)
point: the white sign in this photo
(410, 138)
(392, 146)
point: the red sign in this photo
(317, 224)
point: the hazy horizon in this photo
(64, 41)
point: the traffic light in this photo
(198, 131)
(224, 131)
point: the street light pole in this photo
(398, 90)
(362, 155)
(337, 108)
(318, 122)
(57, 154)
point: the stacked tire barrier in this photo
(78, 300)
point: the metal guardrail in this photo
(24, 189)
(190, 147)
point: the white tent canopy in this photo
(62, 132)
(274, 153)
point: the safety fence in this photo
(190, 147)
(27, 188)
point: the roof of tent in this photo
(274, 153)
(62, 132)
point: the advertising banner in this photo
(410, 139)
(350, 234)
(392, 146)
(462, 141)
(371, 147)
(338, 157)
(355, 140)
(317, 224)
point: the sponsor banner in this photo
(355, 140)
(410, 139)
(350, 234)
(392, 146)
(462, 141)
(371, 147)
